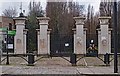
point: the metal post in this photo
(31, 59)
(107, 59)
(115, 37)
(7, 63)
(73, 59)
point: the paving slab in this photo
(55, 70)
(39, 70)
(97, 70)
(56, 66)
(84, 71)
(101, 70)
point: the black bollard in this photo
(73, 59)
(107, 59)
(31, 59)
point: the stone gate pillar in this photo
(104, 36)
(20, 37)
(43, 37)
(79, 36)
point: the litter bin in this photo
(31, 59)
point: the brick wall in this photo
(4, 21)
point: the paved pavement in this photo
(10, 69)
(57, 66)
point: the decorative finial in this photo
(44, 14)
(21, 14)
(21, 7)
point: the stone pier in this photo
(43, 36)
(20, 37)
(79, 36)
(104, 36)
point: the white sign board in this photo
(10, 46)
(66, 44)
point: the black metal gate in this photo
(61, 44)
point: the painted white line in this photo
(85, 62)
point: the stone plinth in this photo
(20, 37)
(79, 36)
(104, 36)
(43, 37)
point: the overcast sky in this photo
(4, 4)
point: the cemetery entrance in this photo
(61, 44)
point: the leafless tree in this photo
(61, 15)
(10, 12)
(106, 8)
(35, 8)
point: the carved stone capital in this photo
(79, 20)
(43, 20)
(104, 20)
(20, 20)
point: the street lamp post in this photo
(115, 37)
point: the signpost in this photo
(10, 34)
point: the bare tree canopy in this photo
(35, 8)
(10, 12)
(106, 8)
(61, 16)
